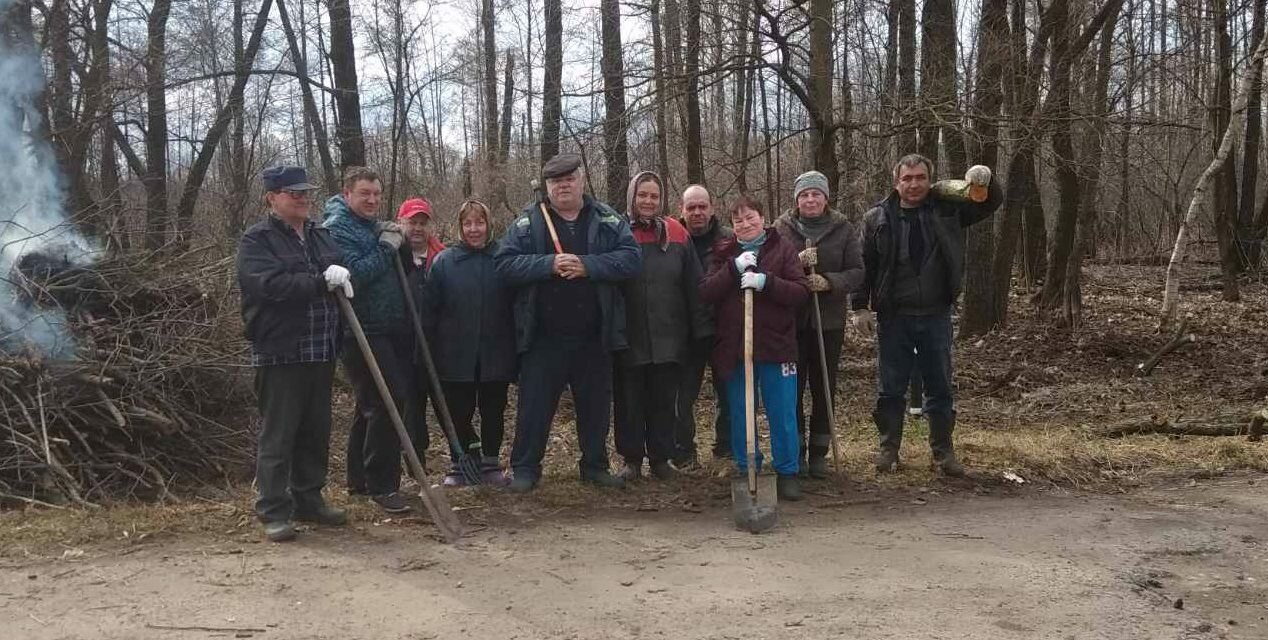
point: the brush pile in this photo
(150, 395)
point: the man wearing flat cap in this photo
(831, 255)
(566, 255)
(287, 268)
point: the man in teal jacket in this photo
(369, 248)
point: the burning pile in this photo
(150, 393)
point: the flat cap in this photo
(561, 165)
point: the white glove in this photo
(745, 261)
(338, 277)
(864, 322)
(388, 225)
(750, 280)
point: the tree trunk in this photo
(508, 91)
(1249, 240)
(615, 143)
(343, 61)
(490, 141)
(662, 96)
(155, 178)
(906, 14)
(822, 113)
(202, 161)
(1224, 196)
(980, 311)
(846, 187)
(551, 83)
(235, 217)
(330, 178)
(1171, 290)
(1062, 148)
(695, 158)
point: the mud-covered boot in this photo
(890, 428)
(788, 488)
(887, 460)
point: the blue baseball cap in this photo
(288, 178)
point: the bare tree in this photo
(343, 61)
(615, 141)
(551, 84)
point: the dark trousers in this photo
(415, 418)
(464, 398)
(550, 365)
(290, 467)
(372, 440)
(908, 343)
(692, 379)
(812, 374)
(649, 395)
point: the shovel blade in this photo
(754, 513)
(442, 515)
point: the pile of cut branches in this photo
(152, 397)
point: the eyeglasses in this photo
(298, 195)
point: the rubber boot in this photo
(788, 488)
(940, 428)
(890, 428)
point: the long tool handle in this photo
(823, 371)
(550, 226)
(437, 505)
(433, 378)
(750, 402)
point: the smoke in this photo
(32, 213)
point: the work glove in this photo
(818, 283)
(864, 322)
(338, 277)
(751, 280)
(745, 261)
(388, 225)
(979, 175)
(392, 238)
(809, 257)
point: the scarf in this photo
(753, 245)
(813, 229)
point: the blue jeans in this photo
(776, 386)
(907, 343)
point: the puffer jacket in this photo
(379, 302)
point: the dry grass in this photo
(1028, 397)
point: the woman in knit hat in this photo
(828, 244)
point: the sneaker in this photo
(280, 531)
(391, 502)
(630, 471)
(521, 484)
(454, 479)
(663, 471)
(887, 460)
(817, 467)
(494, 478)
(949, 466)
(603, 479)
(788, 488)
(324, 515)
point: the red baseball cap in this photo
(413, 207)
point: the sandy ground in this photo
(1185, 561)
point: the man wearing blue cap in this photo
(287, 268)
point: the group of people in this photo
(626, 311)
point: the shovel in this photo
(468, 465)
(437, 504)
(753, 502)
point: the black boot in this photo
(890, 427)
(788, 488)
(940, 428)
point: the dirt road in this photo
(1180, 562)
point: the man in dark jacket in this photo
(369, 248)
(828, 245)
(287, 267)
(913, 251)
(706, 232)
(567, 270)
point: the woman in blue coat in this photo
(466, 312)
